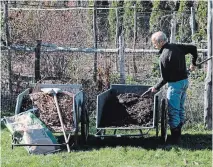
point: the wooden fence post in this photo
(181, 27)
(208, 81)
(192, 22)
(121, 59)
(212, 58)
(134, 40)
(95, 41)
(116, 36)
(173, 28)
(8, 43)
(37, 61)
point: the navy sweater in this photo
(173, 63)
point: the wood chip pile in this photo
(48, 112)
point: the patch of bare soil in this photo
(48, 113)
(128, 110)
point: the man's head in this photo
(159, 39)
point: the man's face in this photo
(156, 44)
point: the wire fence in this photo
(75, 28)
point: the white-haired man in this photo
(174, 72)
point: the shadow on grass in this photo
(189, 142)
(3, 126)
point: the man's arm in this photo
(164, 69)
(190, 49)
(160, 84)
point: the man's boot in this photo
(175, 135)
(179, 128)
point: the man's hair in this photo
(159, 36)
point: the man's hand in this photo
(153, 89)
(192, 67)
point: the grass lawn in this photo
(195, 150)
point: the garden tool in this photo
(133, 99)
(204, 61)
(200, 63)
(54, 92)
(148, 91)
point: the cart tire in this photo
(163, 121)
(84, 126)
(157, 116)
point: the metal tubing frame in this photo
(122, 135)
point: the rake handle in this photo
(61, 120)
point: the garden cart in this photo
(78, 112)
(104, 112)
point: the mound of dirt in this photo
(128, 110)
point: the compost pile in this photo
(128, 110)
(48, 113)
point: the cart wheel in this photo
(84, 125)
(163, 121)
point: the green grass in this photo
(195, 150)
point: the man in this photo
(174, 72)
